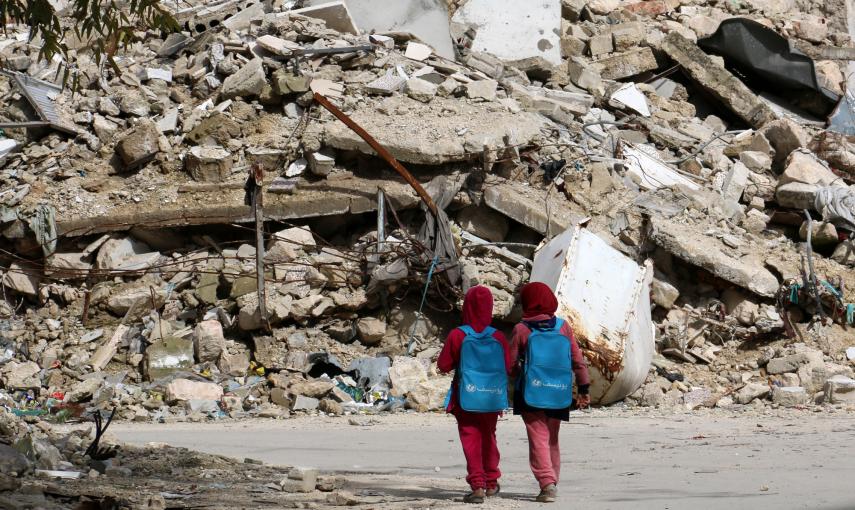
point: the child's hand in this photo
(583, 401)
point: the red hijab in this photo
(538, 299)
(478, 308)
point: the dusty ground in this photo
(613, 459)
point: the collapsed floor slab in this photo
(532, 207)
(446, 132)
(746, 270)
(224, 203)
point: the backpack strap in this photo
(469, 331)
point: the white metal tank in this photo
(605, 296)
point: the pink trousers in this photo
(478, 438)
(544, 455)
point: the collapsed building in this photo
(195, 234)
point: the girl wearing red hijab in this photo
(477, 430)
(542, 426)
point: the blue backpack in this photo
(482, 376)
(548, 369)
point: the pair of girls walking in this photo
(543, 355)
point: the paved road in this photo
(611, 460)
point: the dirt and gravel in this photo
(612, 459)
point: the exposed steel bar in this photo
(381, 151)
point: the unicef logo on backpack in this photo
(537, 383)
(471, 388)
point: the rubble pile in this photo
(43, 468)
(131, 262)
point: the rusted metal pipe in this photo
(381, 151)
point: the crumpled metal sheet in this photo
(758, 51)
(837, 205)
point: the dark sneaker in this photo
(476, 496)
(547, 494)
(494, 492)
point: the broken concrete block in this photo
(629, 63)
(208, 163)
(422, 143)
(248, 81)
(627, 36)
(756, 161)
(822, 234)
(748, 272)
(306, 474)
(206, 290)
(286, 245)
(140, 145)
(336, 15)
(840, 389)
(735, 182)
(793, 362)
(302, 403)
(600, 45)
(321, 163)
(420, 90)
(273, 44)
(182, 390)
(513, 30)
(789, 396)
(417, 51)
(572, 46)
(167, 356)
(845, 253)
(135, 298)
(749, 141)
(805, 167)
(68, 265)
(527, 205)
(23, 279)
(484, 222)
(663, 293)
(370, 330)
(429, 395)
(208, 340)
(603, 7)
(242, 19)
(169, 122)
(21, 376)
(716, 80)
(154, 73)
(126, 254)
(482, 89)
(405, 374)
(785, 136)
(132, 102)
(327, 88)
(584, 75)
(750, 392)
(796, 195)
(387, 85)
(105, 352)
(285, 82)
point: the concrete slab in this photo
(426, 19)
(530, 206)
(219, 203)
(438, 138)
(335, 14)
(514, 30)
